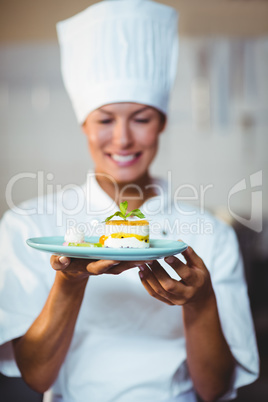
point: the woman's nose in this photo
(122, 134)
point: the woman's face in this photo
(123, 139)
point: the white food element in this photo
(73, 235)
(123, 158)
(124, 232)
(128, 242)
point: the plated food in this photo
(125, 238)
(74, 237)
(126, 234)
(131, 231)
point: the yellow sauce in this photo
(122, 235)
(131, 223)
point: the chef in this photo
(107, 330)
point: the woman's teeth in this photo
(123, 158)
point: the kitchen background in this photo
(216, 135)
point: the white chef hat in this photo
(119, 51)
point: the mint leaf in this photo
(109, 217)
(118, 213)
(136, 212)
(123, 207)
(123, 212)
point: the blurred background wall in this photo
(217, 131)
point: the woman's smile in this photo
(123, 159)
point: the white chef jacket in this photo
(127, 346)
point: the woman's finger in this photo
(167, 290)
(125, 265)
(169, 284)
(192, 258)
(100, 266)
(184, 271)
(152, 292)
(176, 289)
(59, 262)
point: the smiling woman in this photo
(104, 329)
(123, 140)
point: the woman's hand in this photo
(79, 269)
(42, 350)
(209, 358)
(195, 284)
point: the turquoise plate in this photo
(158, 249)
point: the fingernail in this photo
(114, 265)
(141, 274)
(63, 260)
(142, 267)
(170, 259)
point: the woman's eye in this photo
(142, 120)
(105, 121)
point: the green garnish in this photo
(123, 212)
(85, 244)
